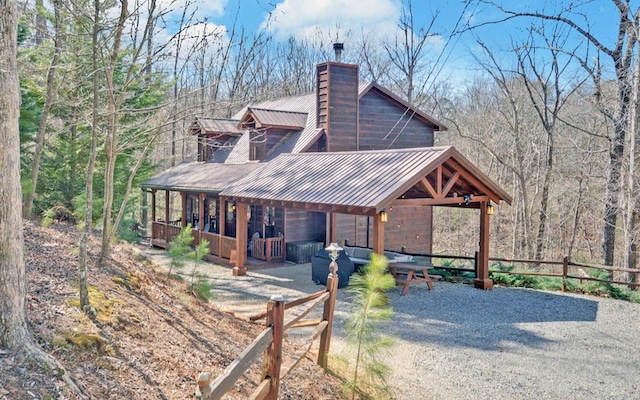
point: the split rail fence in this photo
(565, 269)
(269, 342)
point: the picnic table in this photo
(407, 274)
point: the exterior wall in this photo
(304, 225)
(408, 229)
(383, 125)
(337, 107)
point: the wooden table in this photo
(405, 274)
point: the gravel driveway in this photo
(457, 342)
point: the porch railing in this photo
(268, 249)
(159, 231)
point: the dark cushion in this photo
(320, 268)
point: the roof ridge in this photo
(404, 150)
(276, 110)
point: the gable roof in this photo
(276, 118)
(366, 182)
(216, 125)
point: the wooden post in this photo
(166, 216)
(565, 272)
(145, 210)
(273, 354)
(331, 228)
(183, 196)
(221, 222)
(241, 240)
(378, 235)
(153, 205)
(482, 280)
(327, 314)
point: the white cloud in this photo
(204, 9)
(304, 18)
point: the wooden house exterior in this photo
(341, 116)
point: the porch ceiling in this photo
(366, 182)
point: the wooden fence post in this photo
(273, 354)
(565, 272)
(475, 262)
(327, 315)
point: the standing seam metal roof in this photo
(367, 179)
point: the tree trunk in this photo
(88, 212)
(13, 325)
(48, 100)
(613, 186)
(111, 142)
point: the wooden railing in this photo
(159, 232)
(268, 249)
(228, 244)
(214, 242)
(564, 269)
(270, 343)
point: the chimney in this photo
(337, 48)
(337, 103)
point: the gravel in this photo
(457, 342)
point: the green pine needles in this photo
(367, 344)
(180, 252)
(179, 248)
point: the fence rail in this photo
(568, 271)
(269, 342)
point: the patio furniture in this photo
(406, 275)
(320, 268)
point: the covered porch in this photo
(370, 183)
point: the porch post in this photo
(333, 228)
(378, 234)
(166, 216)
(482, 280)
(183, 195)
(201, 211)
(221, 226)
(241, 239)
(153, 205)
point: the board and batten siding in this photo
(383, 125)
(304, 225)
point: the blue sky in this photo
(378, 19)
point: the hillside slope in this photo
(150, 337)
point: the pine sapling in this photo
(368, 290)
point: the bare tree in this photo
(48, 100)
(548, 89)
(621, 55)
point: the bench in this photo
(407, 274)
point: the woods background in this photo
(109, 90)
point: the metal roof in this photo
(200, 176)
(277, 118)
(216, 125)
(362, 182)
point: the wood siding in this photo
(383, 125)
(408, 227)
(304, 225)
(338, 104)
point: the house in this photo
(350, 163)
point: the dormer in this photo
(215, 135)
(268, 128)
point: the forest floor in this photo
(149, 340)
